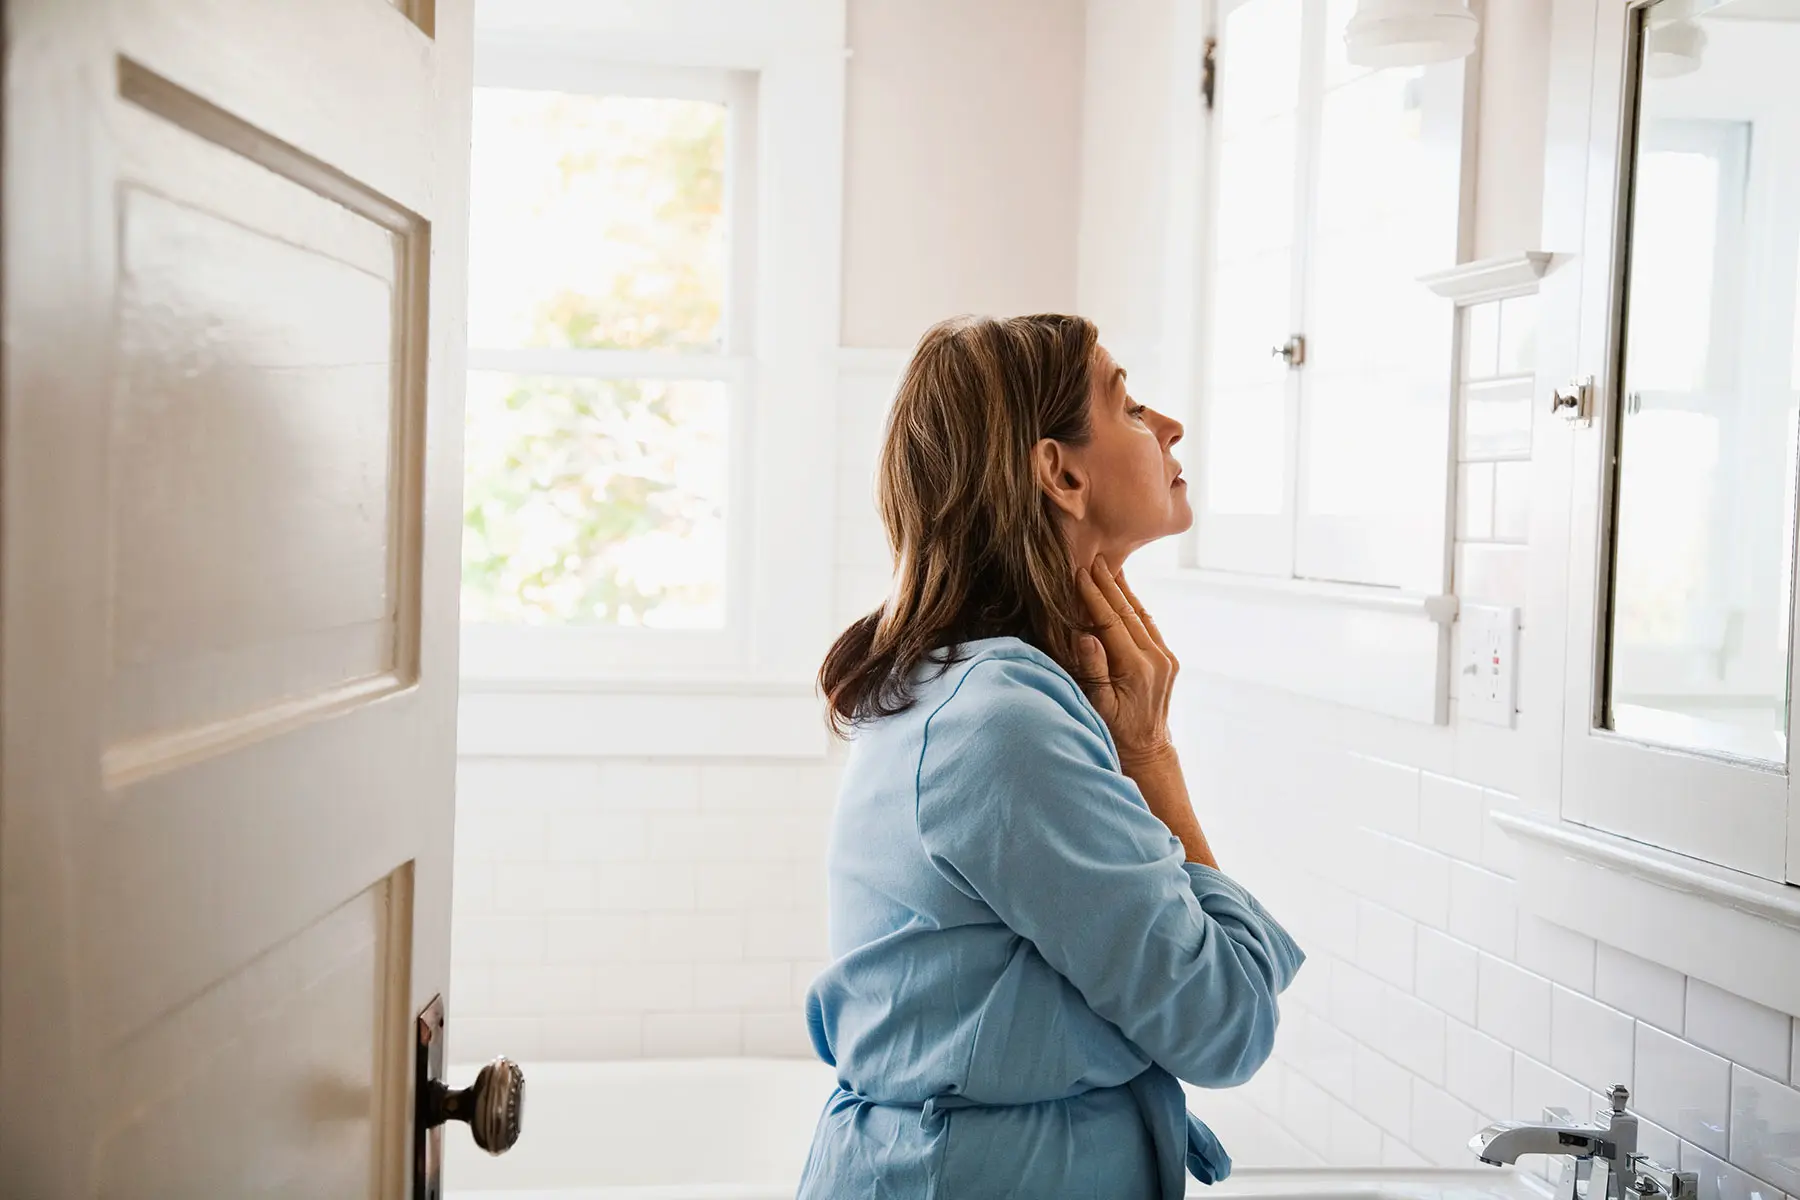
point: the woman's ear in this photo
(1061, 477)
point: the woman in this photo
(1032, 938)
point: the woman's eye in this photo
(1136, 410)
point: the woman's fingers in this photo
(1126, 611)
(1121, 649)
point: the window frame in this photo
(1416, 549)
(493, 648)
(1379, 649)
(1733, 813)
(782, 67)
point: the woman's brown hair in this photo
(978, 547)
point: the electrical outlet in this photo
(1489, 664)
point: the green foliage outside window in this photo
(598, 225)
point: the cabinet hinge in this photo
(1209, 73)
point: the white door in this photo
(233, 309)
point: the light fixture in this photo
(1673, 49)
(1409, 33)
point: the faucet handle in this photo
(1650, 1179)
(1621, 1132)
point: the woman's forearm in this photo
(1164, 787)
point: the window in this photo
(1326, 400)
(612, 247)
(653, 379)
(1684, 652)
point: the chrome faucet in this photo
(1604, 1162)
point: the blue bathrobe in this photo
(1025, 963)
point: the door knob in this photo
(1574, 401)
(493, 1105)
(1293, 351)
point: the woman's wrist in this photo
(1155, 757)
(1159, 778)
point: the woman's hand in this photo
(1136, 675)
(1132, 663)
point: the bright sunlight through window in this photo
(596, 493)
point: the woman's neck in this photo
(1085, 546)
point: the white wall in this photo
(1140, 188)
(1430, 1003)
(1128, 176)
(1515, 71)
(962, 165)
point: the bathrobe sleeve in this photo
(1021, 804)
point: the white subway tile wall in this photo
(1371, 839)
(1479, 1070)
(1481, 342)
(1441, 1124)
(1482, 909)
(1475, 487)
(1557, 953)
(1451, 816)
(1588, 1041)
(1661, 1145)
(1512, 501)
(1765, 1116)
(1494, 572)
(1513, 1005)
(1518, 337)
(1385, 943)
(1497, 419)
(1742, 1030)
(1447, 977)
(1644, 989)
(1720, 1180)
(617, 909)
(1382, 1091)
(1683, 1087)
(1494, 500)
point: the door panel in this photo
(260, 435)
(234, 305)
(286, 1050)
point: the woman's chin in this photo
(1181, 513)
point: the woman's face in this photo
(1127, 489)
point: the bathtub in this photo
(649, 1130)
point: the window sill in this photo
(1378, 649)
(686, 717)
(1735, 931)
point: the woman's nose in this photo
(1172, 430)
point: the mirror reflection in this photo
(1704, 521)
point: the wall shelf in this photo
(1490, 278)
